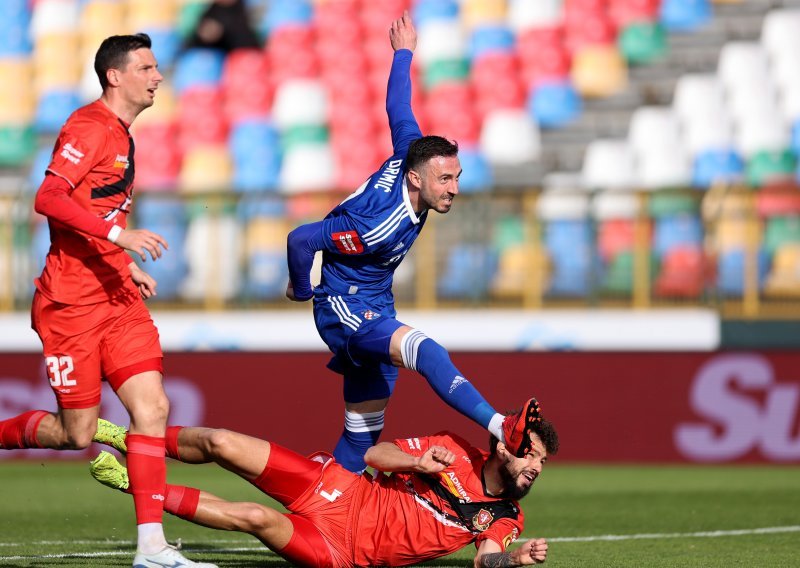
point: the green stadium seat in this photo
(17, 145)
(642, 42)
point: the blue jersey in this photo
(366, 237)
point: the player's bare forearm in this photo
(533, 551)
(497, 560)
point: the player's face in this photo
(140, 78)
(520, 473)
(439, 182)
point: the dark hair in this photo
(427, 147)
(546, 432)
(113, 53)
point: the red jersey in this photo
(405, 518)
(94, 154)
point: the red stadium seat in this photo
(625, 12)
(497, 83)
(246, 87)
(158, 159)
(778, 200)
(199, 118)
(591, 30)
(683, 273)
(615, 236)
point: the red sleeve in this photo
(503, 532)
(53, 201)
(80, 146)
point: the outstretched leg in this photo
(292, 536)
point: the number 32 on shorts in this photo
(59, 369)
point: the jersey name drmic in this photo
(388, 175)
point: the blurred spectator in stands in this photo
(225, 25)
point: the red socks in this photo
(147, 471)
(182, 501)
(20, 432)
(171, 439)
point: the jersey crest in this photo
(347, 242)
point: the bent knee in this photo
(254, 518)
(218, 441)
(77, 440)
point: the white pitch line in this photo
(700, 534)
(607, 537)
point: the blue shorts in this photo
(359, 338)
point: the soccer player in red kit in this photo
(88, 308)
(440, 494)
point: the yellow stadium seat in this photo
(143, 14)
(599, 71)
(56, 62)
(164, 109)
(730, 234)
(482, 12)
(100, 15)
(206, 168)
(784, 278)
(266, 234)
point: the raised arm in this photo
(388, 457)
(402, 122)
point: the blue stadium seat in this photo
(712, 166)
(198, 67)
(256, 151)
(166, 45)
(685, 15)
(795, 144)
(677, 230)
(469, 271)
(253, 206)
(476, 174)
(267, 275)
(730, 268)
(53, 108)
(554, 105)
(15, 19)
(284, 13)
(568, 244)
(490, 39)
(431, 10)
(167, 217)
(36, 174)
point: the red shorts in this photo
(320, 498)
(83, 345)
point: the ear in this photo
(113, 77)
(502, 452)
(414, 179)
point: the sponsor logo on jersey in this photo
(370, 315)
(157, 497)
(510, 538)
(482, 520)
(347, 242)
(388, 176)
(413, 443)
(121, 162)
(451, 480)
(71, 153)
(398, 246)
(458, 381)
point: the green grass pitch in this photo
(54, 514)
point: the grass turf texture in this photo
(54, 514)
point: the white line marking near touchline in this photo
(700, 534)
(259, 547)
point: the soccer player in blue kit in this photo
(363, 240)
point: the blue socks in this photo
(361, 432)
(422, 354)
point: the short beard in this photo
(510, 488)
